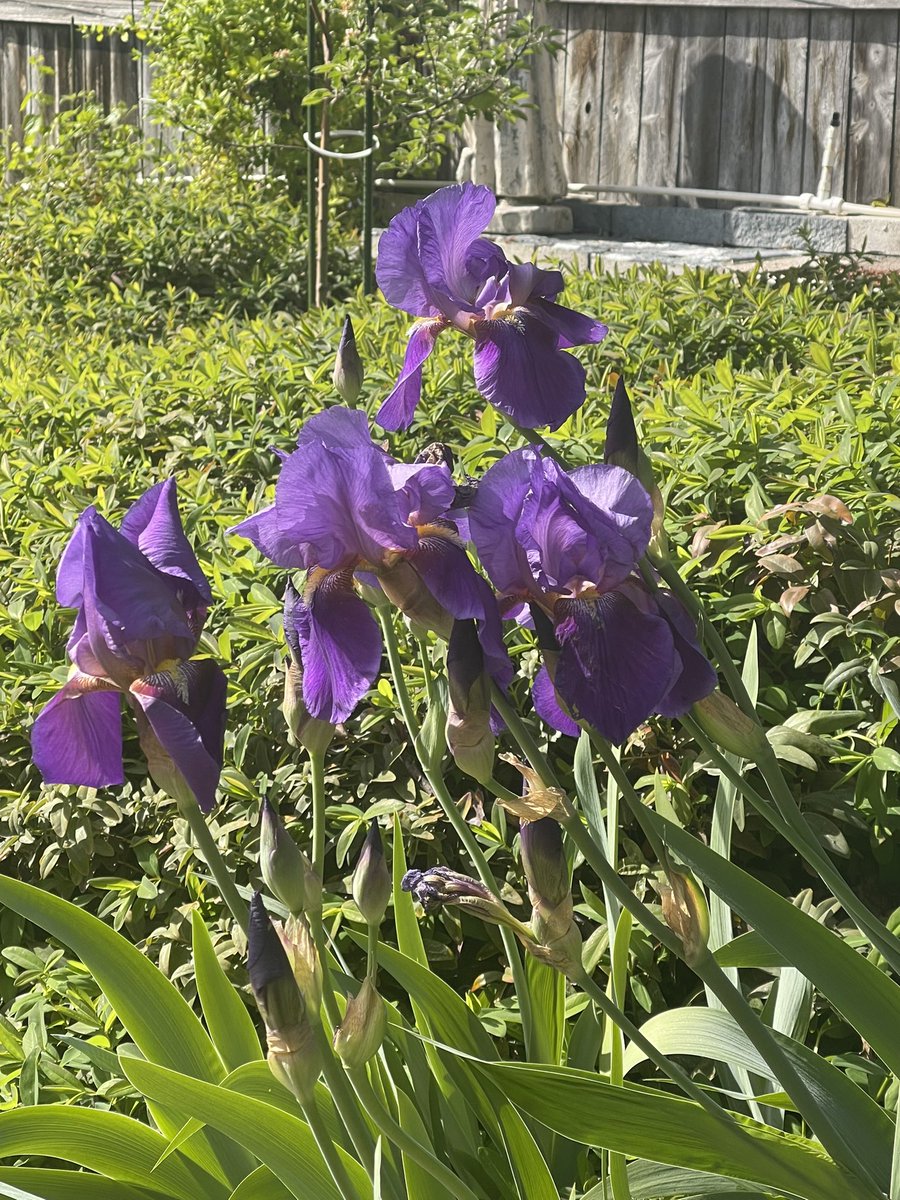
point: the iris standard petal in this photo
(520, 370)
(547, 706)
(265, 532)
(340, 647)
(398, 410)
(338, 505)
(70, 572)
(493, 516)
(527, 282)
(77, 736)
(398, 269)
(697, 677)
(450, 220)
(133, 619)
(153, 524)
(427, 490)
(446, 570)
(616, 662)
(336, 426)
(185, 711)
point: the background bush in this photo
(754, 393)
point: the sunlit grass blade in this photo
(227, 1019)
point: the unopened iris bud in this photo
(304, 959)
(439, 885)
(359, 1036)
(292, 1045)
(286, 871)
(372, 879)
(303, 728)
(550, 891)
(348, 368)
(469, 735)
(725, 724)
(686, 913)
(624, 450)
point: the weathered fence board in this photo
(743, 100)
(874, 89)
(708, 94)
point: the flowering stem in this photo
(345, 1101)
(206, 844)
(404, 1141)
(456, 819)
(329, 1152)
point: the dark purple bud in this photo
(621, 435)
(372, 879)
(348, 368)
(469, 734)
(544, 861)
(269, 968)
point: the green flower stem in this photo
(732, 999)
(404, 1141)
(372, 951)
(206, 844)
(345, 1102)
(803, 840)
(456, 819)
(329, 1153)
(678, 1076)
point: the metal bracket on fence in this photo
(349, 154)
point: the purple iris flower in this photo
(142, 600)
(434, 264)
(568, 544)
(348, 513)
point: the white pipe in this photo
(806, 201)
(826, 177)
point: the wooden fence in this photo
(731, 97)
(701, 95)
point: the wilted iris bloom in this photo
(568, 544)
(345, 511)
(434, 264)
(142, 600)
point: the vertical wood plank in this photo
(13, 76)
(96, 68)
(872, 101)
(583, 99)
(660, 101)
(620, 128)
(743, 100)
(558, 19)
(784, 126)
(123, 78)
(701, 100)
(828, 92)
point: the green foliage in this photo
(235, 73)
(770, 426)
(102, 230)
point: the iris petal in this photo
(520, 370)
(398, 409)
(571, 328)
(616, 662)
(186, 714)
(547, 706)
(340, 647)
(697, 677)
(77, 736)
(153, 524)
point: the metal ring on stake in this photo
(361, 133)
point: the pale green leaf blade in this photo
(261, 1184)
(283, 1143)
(155, 1014)
(108, 1143)
(227, 1019)
(866, 997)
(51, 1184)
(664, 1128)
